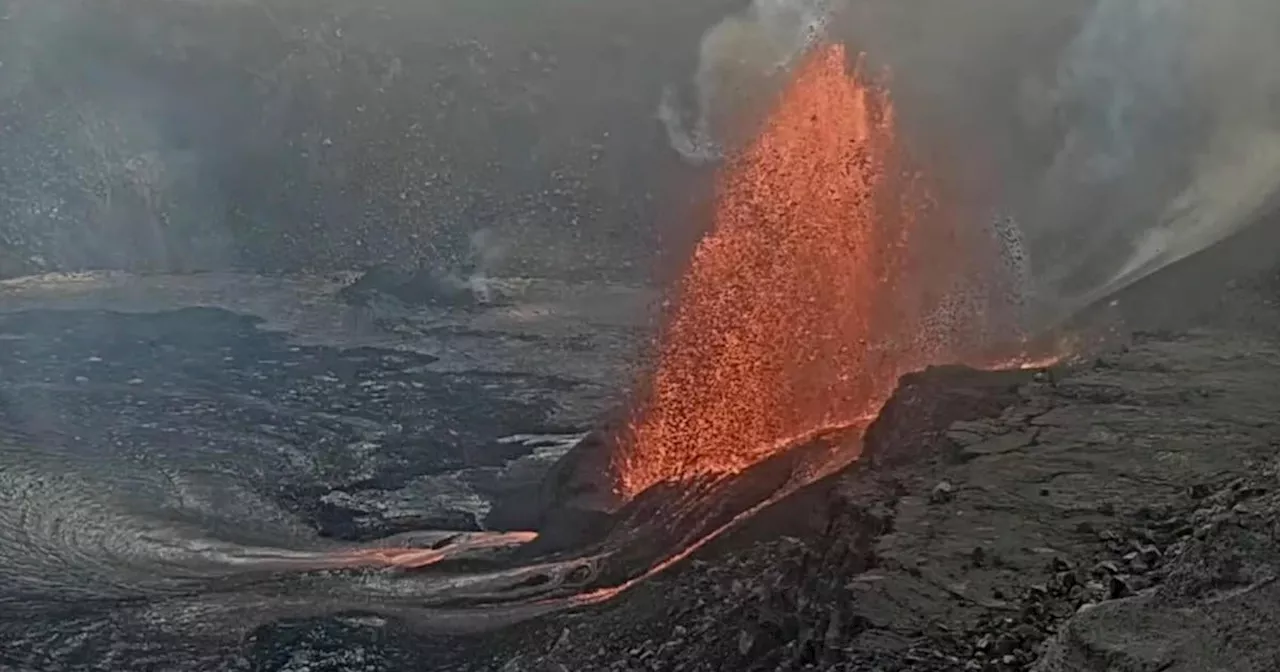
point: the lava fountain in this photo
(828, 272)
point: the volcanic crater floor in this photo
(1121, 513)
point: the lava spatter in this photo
(828, 273)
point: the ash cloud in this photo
(1122, 135)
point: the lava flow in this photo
(827, 274)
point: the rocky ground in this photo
(1085, 526)
(1118, 513)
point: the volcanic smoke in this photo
(828, 273)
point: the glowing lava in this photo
(826, 275)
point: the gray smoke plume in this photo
(1123, 135)
(92, 174)
(1174, 142)
(739, 62)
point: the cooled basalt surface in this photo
(168, 444)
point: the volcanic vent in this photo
(829, 271)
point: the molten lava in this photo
(826, 275)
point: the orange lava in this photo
(416, 558)
(828, 273)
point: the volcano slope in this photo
(1119, 513)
